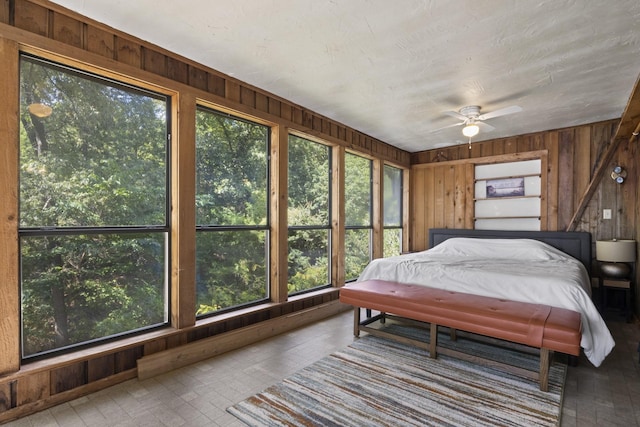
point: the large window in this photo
(231, 212)
(392, 211)
(309, 215)
(357, 209)
(94, 203)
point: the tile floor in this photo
(198, 395)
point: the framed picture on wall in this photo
(505, 187)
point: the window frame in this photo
(212, 228)
(370, 226)
(138, 88)
(330, 202)
(400, 225)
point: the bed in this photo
(541, 267)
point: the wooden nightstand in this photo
(621, 285)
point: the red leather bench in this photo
(534, 325)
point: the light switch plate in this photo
(606, 214)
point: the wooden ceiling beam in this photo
(628, 129)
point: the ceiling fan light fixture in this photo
(470, 130)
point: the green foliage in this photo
(308, 215)
(99, 160)
(231, 191)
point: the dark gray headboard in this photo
(575, 243)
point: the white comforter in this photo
(514, 269)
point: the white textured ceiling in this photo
(392, 68)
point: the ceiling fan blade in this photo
(485, 127)
(456, 115)
(500, 112)
(447, 127)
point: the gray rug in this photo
(378, 382)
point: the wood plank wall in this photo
(45, 29)
(442, 181)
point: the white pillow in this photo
(498, 248)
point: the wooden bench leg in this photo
(544, 369)
(433, 341)
(356, 322)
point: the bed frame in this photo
(574, 243)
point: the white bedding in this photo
(514, 269)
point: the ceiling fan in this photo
(473, 121)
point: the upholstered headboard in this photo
(574, 243)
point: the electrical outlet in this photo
(606, 214)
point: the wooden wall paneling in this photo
(216, 85)
(487, 149)
(154, 346)
(198, 77)
(232, 90)
(183, 221)
(5, 12)
(582, 162)
(438, 204)
(6, 400)
(101, 367)
(476, 150)
(9, 153)
(127, 358)
(31, 17)
(566, 140)
(419, 194)
(498, 147)
(154, 62)
(247, 96)
(553, 159)
(626, 194)
(100, 42)
(307, 119)
(262, 102)
(278, 276)
(523, 144)
(430, 195)
(67, 30)
(449, 208)
(128, 52)
(598, 144)
(296, 116)
(177, 70)
(33, 387)
(460, 197)
(469, 208)
(275, 107)
(68, 377)
(544, 178)
(509, 145)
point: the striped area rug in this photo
(378, 382)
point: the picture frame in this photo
(505, 187)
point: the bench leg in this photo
(433, 341)
(544, 369)
(356, 322)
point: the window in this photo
(232, 213)
(309, 215)
(358, 222)
(392, 211)
(94, 200)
